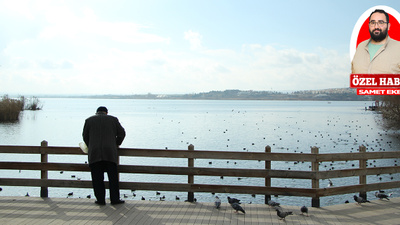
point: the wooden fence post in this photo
(267, 178)
(44, 192)
(315, 181)
(363, 166)
(190, 177)
(118, 163)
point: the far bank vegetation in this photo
(390, 109)
(10, 108)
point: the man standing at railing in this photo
(103, 134)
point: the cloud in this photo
(20, 8)
(64, 23)
(74, 51)
(159, 71)
(50, 64)
(194, 39)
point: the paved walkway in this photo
(33, 210)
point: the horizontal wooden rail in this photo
(164, 186)
(356, 188)
(202, 171)
(205, 154)
(357, 172)
(44, 166)
(314, 159)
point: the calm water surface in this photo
(287, 126)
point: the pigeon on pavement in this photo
(273, 204)
(237, 207)
(381, 195)
(359, 200)
(303, 210)
(217, 202)
(233, 200)
(282, 214)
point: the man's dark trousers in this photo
(98, 169)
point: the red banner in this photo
(375, 80)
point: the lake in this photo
(231, 125)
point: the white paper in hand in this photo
(83, 147)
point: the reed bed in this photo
(11, 108)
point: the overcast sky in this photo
(175, 46)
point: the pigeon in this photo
(217, 202)
(237, 207)
(303, 210)
(381, 195)
(233, 200)
(273, 204)
(282, 214)
(359, 200)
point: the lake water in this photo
(287, 126)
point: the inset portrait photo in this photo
(375, 42)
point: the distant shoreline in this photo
(337, 94)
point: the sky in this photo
(124, 47)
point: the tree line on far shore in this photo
(390, 109)
(10, 108)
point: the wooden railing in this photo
(315, 175)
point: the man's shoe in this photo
(118, 202)
(100, 203)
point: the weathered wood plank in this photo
(356, 156)
(163, 170)
(45, 166)
(198, 171)
(202, 171)
(206, 154)
(203, 154)
(19, 149)
(356, 188)
(164, 187)
(45, 183)
(357, 172)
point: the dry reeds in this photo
(11, 108)
(33, 104)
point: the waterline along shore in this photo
(332, 94)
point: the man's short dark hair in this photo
(102, 109)
(380, 11)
